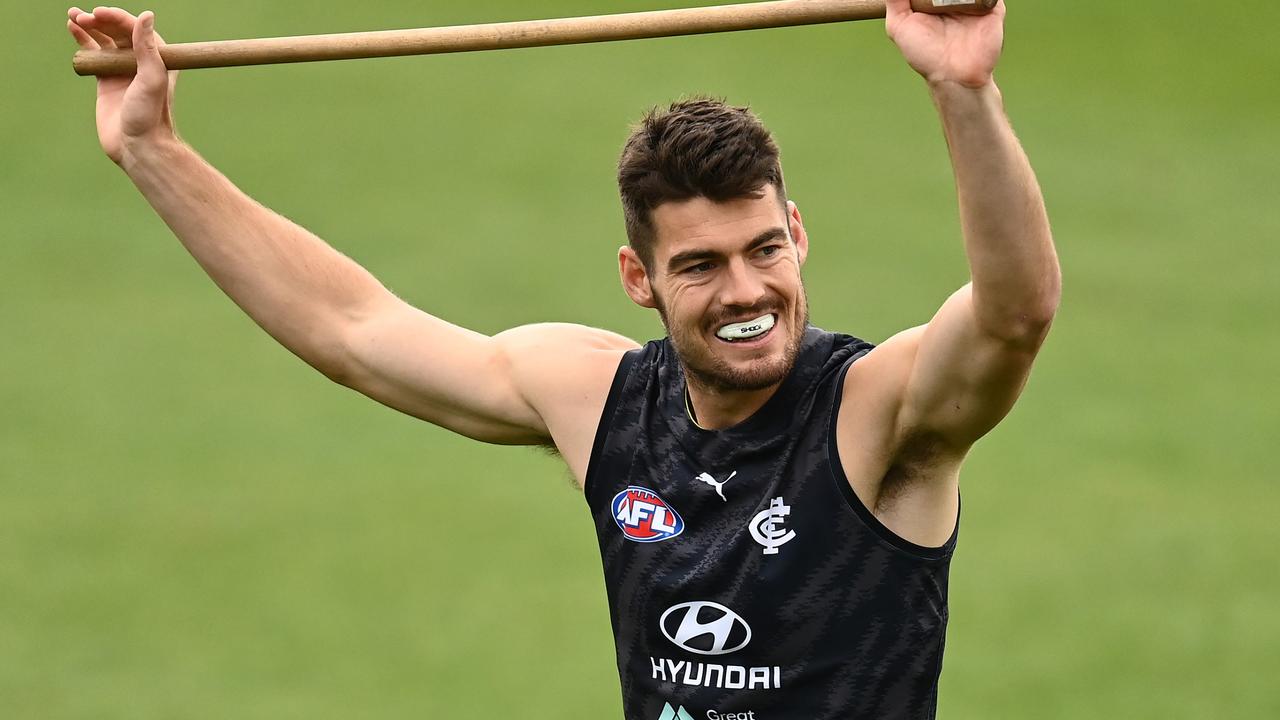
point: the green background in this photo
(195, 525)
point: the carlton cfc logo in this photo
(644, 517)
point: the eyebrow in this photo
(698, 254)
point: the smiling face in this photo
(725, 278)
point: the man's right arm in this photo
(532, 385)
(338, 318)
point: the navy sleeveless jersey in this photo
(746, 581)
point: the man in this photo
(776, 505)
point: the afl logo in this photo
(644, 517)
(705, 628)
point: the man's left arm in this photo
(970, 363)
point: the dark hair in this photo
(697, 147)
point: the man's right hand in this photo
(133, 110)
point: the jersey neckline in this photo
(771, 416)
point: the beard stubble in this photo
(705, 369)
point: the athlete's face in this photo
(725, 279)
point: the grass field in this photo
(194, 525)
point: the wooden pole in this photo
(521, 34)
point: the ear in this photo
(795, 224)
(635, 278)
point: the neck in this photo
(713, 409)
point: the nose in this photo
(742, 285)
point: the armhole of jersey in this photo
(606, 418)
(855, 503)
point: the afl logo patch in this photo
(644, 517)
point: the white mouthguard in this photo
(748, 329)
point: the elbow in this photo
(1025, 321)
(339, 347)
(332, 358)
(336, 372)
(1026, 330)
(1049, 299)
(1039, 312)
(1031, 327)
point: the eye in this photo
(770, 250)
(699, 269)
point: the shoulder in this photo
(887, 366)
(825, 357)
(562, 338)
(565, 371)
(548, 359)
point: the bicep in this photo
(510, 388)
(434, 370)
(961, 380)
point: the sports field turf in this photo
(194, 525)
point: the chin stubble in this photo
(716, 375)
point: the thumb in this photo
(896, 9)
(152, 75)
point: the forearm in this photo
(300, 290)
(1008, 242)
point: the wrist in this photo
(961, 88)
(954, 97)
(142, 155)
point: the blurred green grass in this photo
(193, 525)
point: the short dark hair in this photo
(700, 147)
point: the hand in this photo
(947, 48)
(132, 109)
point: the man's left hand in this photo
(962, 49)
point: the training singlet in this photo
(746, 581)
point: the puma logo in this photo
(717, 484)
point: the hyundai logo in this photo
(705, 628)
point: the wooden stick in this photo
(496, 36)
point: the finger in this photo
(82, 37)
(88, 21)
(104, 40)
(127, 21)
(117, 23)
(84, 19)
(152, 74)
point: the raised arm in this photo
(531, 385)
(941, 386)
(974, 356)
